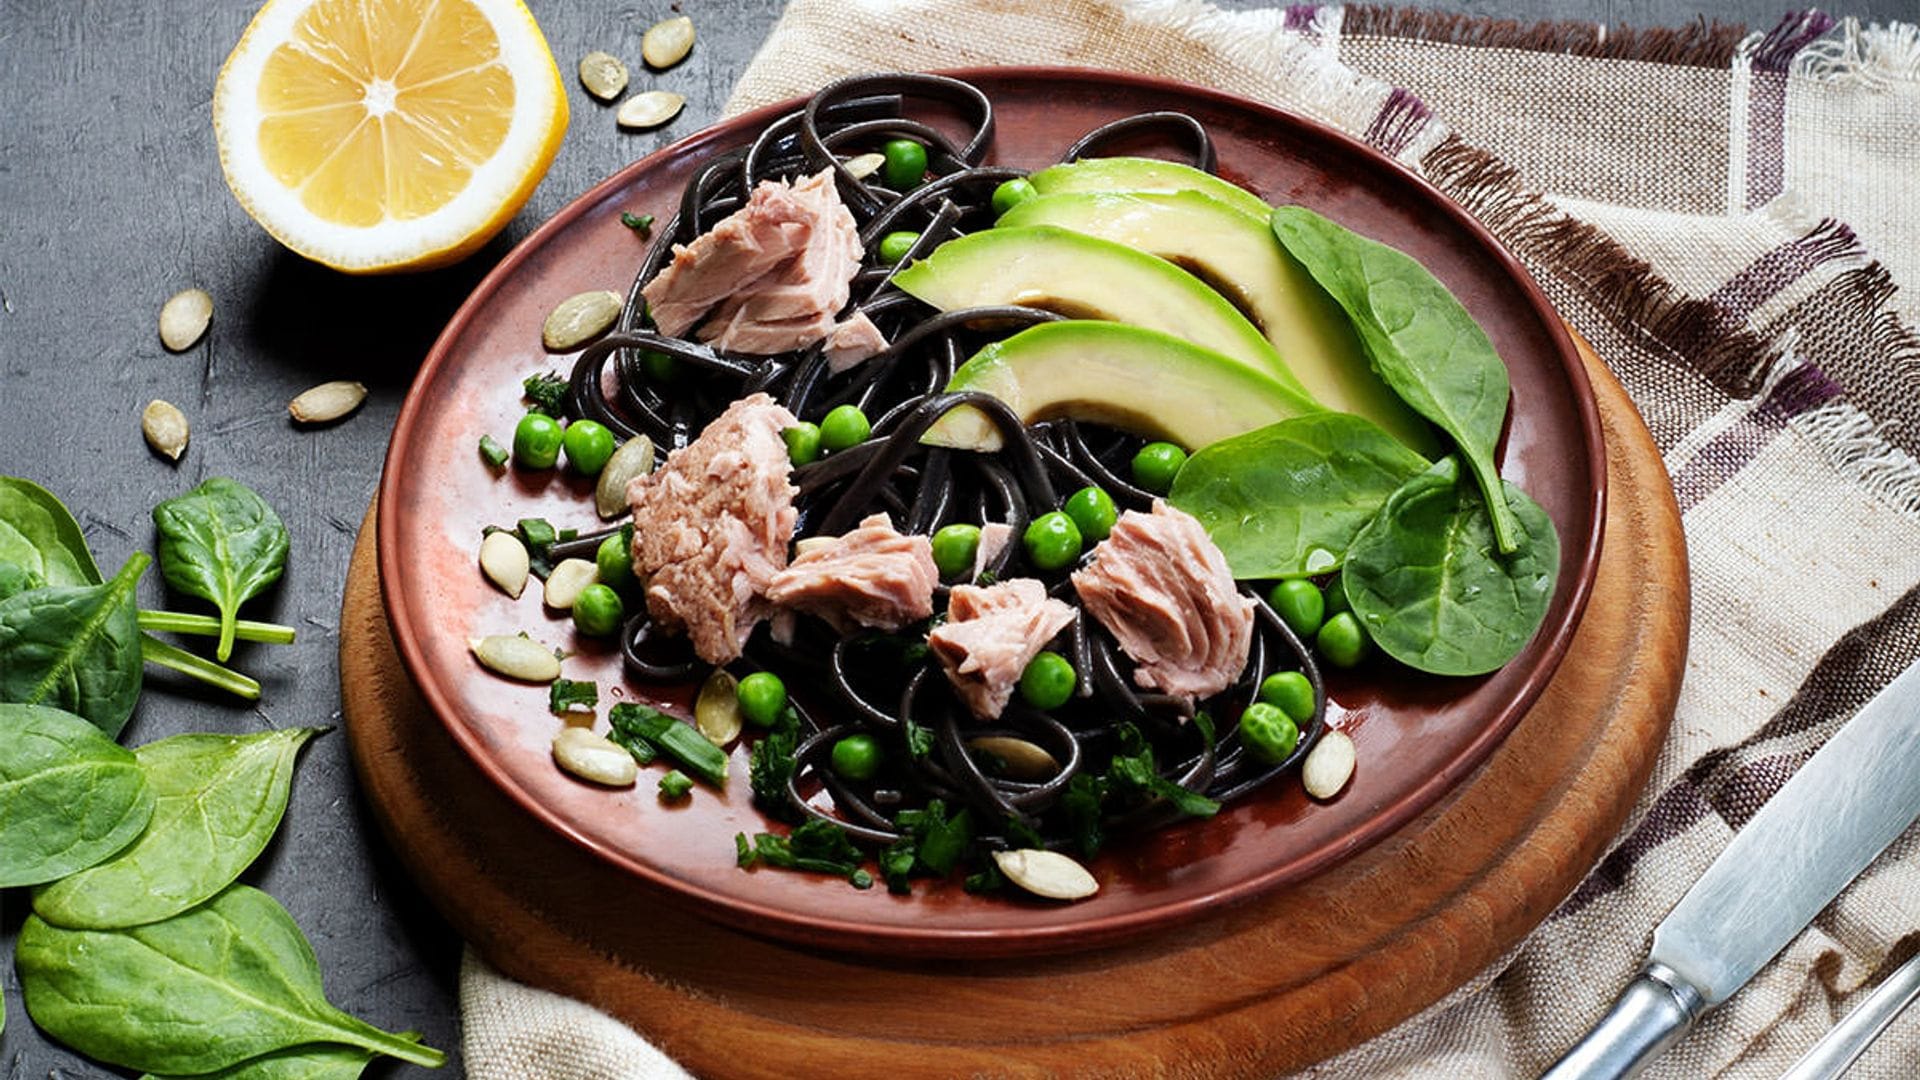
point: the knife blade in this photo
(1817, 833)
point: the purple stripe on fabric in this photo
(1401, 118)
(1299, 16)
(1801, 390)
(1767, 105)
(1728, 307)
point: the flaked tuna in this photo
(873, 576)
(1162, 588)
(711, 528)
(852, 341)
(770, 277)
(993, 540)
(990, 635)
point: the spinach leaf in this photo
(223, 543)
(37, 533)
(76, 647)
(1421, 340)
(69, 796)
(299, 1063)
(1428, 585)
(15, 578)
(1285, 500)
(207, 989)
(218, 800)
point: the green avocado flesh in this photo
(1084, 277)
(1238, 255)
(1128, 377)
(1145, 174)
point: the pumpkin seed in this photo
(634, 458)
(667, 42)
(865, 165)
(716, 712)
(567, 581)
(594, 757)
(1016, 759)
(650, 110)
(580, 318)
(165, 428)
(1046, 873)
(1329, 765)
(504, 560)
(327, 402)
(184, 317)
(516, 656)
(603, 75)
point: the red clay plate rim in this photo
(820, 931)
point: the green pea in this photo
(906, 164)
(844, 427)
(1299, 604)
(762, 695)
(613, 561)
(1012, 193)
(857, 757)
(597, 611)
(1342, 641)
(1048, 681)
(954, 548)
(895, 245)
(659, 367)
(1291, 693)
(1270, 734)
(1093, 511)
(536, 441)
(803, 442)
(1053, 541)
(589, 444)
(1336, 594)
(1155, 466)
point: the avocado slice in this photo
(1129, 377)
(1145, 174)
(1084, 277)
(1239, 256)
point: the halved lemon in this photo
(379, 135)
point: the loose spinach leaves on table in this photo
(76, 647)
(299, 1063)
(1429, 586)
(1285, 500)
(69, 796)
(222, 543)
(218, 800)
(207, 989)
(1421, 341)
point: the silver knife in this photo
(1846, 804)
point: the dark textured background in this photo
(111, 199)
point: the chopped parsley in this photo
(566, 695)
(548, 392)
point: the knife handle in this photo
(1651, 1014)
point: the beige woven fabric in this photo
(1725, 217)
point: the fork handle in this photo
(1838, 1048)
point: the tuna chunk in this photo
(993, 540)
(711, 528)
(990, 635)
(769, 278)
(852, 341)
(1162, 588)
(872, 576)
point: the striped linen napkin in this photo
(1725, 216)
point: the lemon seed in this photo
(634, 458)
(667, 43)
(327, 402)
(1046, 873)
(184, 318)
(503, 558)
(1329, 765)
(165, 428)
(603, 75)
(579, 319)
(650, 110)
(594, 757)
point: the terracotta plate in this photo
(1417, 737)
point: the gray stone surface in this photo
(111, 199)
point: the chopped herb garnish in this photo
(919, 738)
(671, 737)
(988, 879)
(770, 764)
(675, 785)
(640, 223)
(1133, 771)
(492, 452)
(1081, 802)
(818, 846)
(548, 392)
(566, 695)
(539, 536)
(1024, 834)
(642, 750)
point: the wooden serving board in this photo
(1252, 991)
